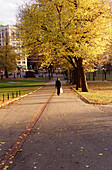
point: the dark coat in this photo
(58, 84)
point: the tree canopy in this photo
(72, 30)
(7, 59)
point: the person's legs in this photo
(58, 91)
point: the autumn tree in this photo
(7, 59)
(76, 30)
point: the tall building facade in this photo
(10, 32)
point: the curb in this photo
(85, 99)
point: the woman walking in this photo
(58, 85)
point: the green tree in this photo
(7, 59)
(76, 30)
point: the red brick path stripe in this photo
(10, 155)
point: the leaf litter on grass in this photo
(98, 92)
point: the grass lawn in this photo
(18, 87)
(99, 92)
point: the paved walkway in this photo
(69, 135)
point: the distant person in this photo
(58, 85)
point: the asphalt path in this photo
(69, 135)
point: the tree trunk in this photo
(49, 75)
(82, 75)
(79, 76)
(70, 76)
(93, 76)
(6, 73)
(75, 76)
(77, 79)
(78, 73)
(83, 80)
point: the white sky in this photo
(8, 10)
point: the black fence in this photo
(99, 75)
(11, 95)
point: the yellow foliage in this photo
(58, 28)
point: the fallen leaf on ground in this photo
(24, 134)
(20, 137)
(17, 143)
(87, 166)
(6, 167)
(105, 149)
(11, 162)
(44, 152)
(2, 143)
(58, 149)
(34, 163)
(71, 143)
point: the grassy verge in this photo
(99, 92)
(15, 88)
